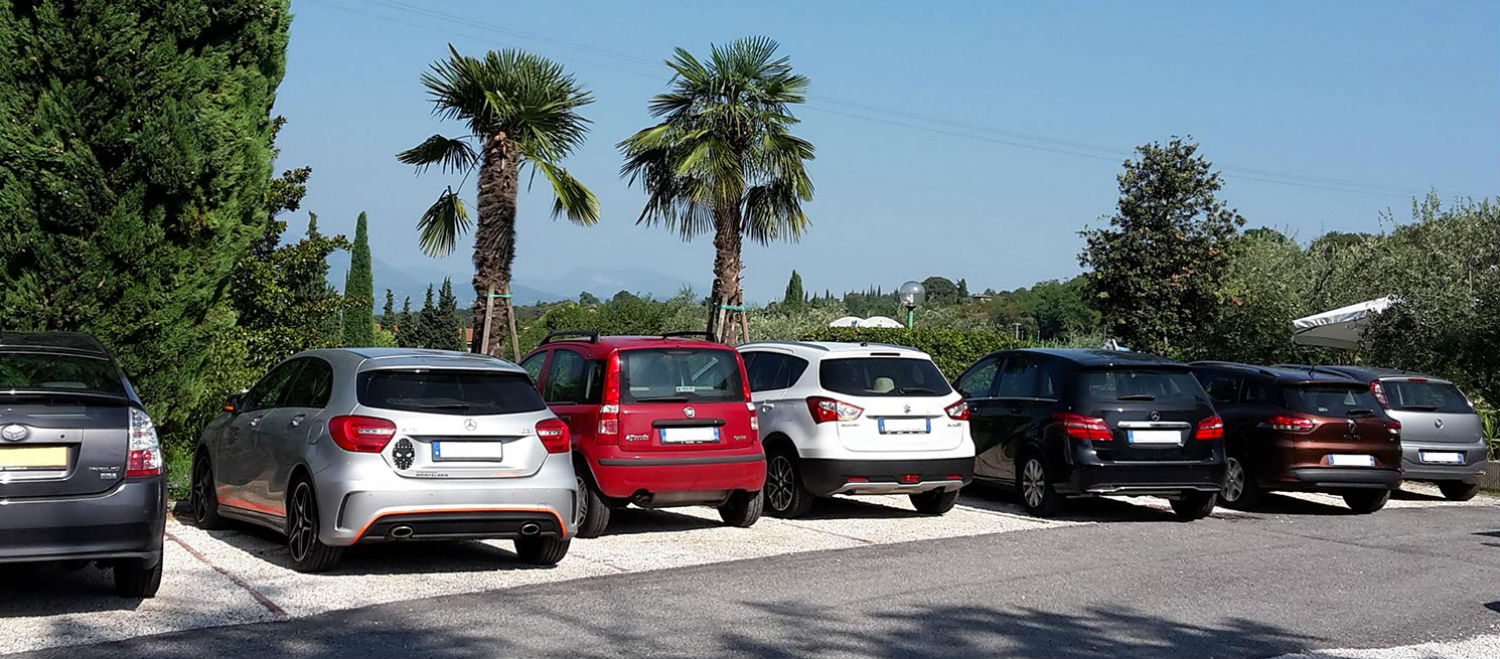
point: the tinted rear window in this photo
(680, 376)
(449, 392)
(882, 376)
(65, 373)
(1331, 400)
(1138, 384)
(1412, 396)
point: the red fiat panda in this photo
(656, 421)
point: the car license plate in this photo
(700, 435)
(905, 426)
(1351, 460)
(1154, 436)
(1441, 457)
(468, 450)
(33, 458)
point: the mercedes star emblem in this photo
(470, 425)
(908, 409)
(14, 432)
(1438, 423)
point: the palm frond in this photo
(443, 223)
(571, 198)
(773, 211)
(453, 154)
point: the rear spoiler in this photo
(66, 393)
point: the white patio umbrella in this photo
(1341, 327)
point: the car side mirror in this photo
(232, 403)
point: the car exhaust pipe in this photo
(401, 532)
(531, 528)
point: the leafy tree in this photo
(940, 291)
(359, 290)
(587, 299)
(1058, 309)
(522, 111)
(278, 309)
(449, 324)
(388, 312)
(1156, 270)
(794, 297)
(963, 290)
(723, 160)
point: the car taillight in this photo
(958, 411)
(608, 431)
(825, 410)
(1393, 428)
(144, 458)
(754, 418)
(1289, 423)
(1379, 392)
(554, 435)
(1210, 428)
(1079, 426)
(361, 434)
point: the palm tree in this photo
(722, 160)
(521, 110)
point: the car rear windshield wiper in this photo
(1360, 411)
(1422, 408)
(664, 399)
(442, 406)
(916, 390)
(1136, 397)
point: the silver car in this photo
(365, 445)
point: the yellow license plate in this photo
(22, 458)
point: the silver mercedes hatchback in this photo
(364, 445)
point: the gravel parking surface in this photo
(1480, 647)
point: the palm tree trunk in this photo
(495, 241)
(727, 325)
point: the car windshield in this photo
(680, 376)
(1332, 400)
(60, 373)
(882, 376)
(449, 391)
(1425, 396)
(1139, 384)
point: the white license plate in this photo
(905, 426)
(1441, 457)
(468, 450)
(1154, 436)
(705, 435)
(1351, 460)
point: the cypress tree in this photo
(404, 330)
(359, 291)
(428, 327)
(794, 296)
(448, 318)
(388, 313)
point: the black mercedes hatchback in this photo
(80, 465)
(1055, 424)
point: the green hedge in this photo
(952, 350)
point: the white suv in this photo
(857, 418)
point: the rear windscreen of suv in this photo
(52, 372)
(449, 392)
(666, 375)
(1425, 396)
(1331, 400)
(882, 376)
(1140, 384)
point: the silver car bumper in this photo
(1470, 471)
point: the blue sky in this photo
(966, 139)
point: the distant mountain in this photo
(412, 280)
(605, 282)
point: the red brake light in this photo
(1210, 428)
(1079, 426)
(1289, 423)
(361, 434)
(825, 410)
(144, 457)
(554, 435)
(608, 431)
(1393, 427)
(1379, 392)
(958, 411)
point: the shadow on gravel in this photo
(47, 589)
(1408, 495)
(632, 521)
(1280, 504)
(1000, 499)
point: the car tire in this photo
(1364, 502)
(203, 499)
(1194, 505)
(934, 502)
(1458, 490)
(309, 554)
(134, 579)
(1240, 491)
(742, 509)
(539, 550)
(1035, 487)
(785, 495)
(593, 511)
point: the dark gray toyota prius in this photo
(80, 466)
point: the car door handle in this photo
(766, 407)
(297, 420)
(565, 417)
(255, 423)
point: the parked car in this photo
(368, 445)
(1059, 423)
(1442, 438)
(656, 421)
(80, 466)
(1303, 430)
(857, 418)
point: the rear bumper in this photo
(622, 476)
(1475, 459)
(1340, 478)
(126, 522)
(1164, 478)
(825, 477)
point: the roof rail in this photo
(707, 336)
(593, 337)
(804, 344)
(1223, 364)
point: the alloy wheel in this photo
(1033, 483)
(780, 478)
(202, 485)
(304, 531)
(581, 510)
(1234, 480)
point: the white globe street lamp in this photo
(911, 295)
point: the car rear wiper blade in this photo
(1424, 408)
(1136, 397)
(1360, 411)
(444, 406)
(916, 390)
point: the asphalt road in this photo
(1301, 576)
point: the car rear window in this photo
(1331, 400)
(1140, 384)
(653, 375)
(63, 373)
(883, 376)
(1425, 396)
(449, 391)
